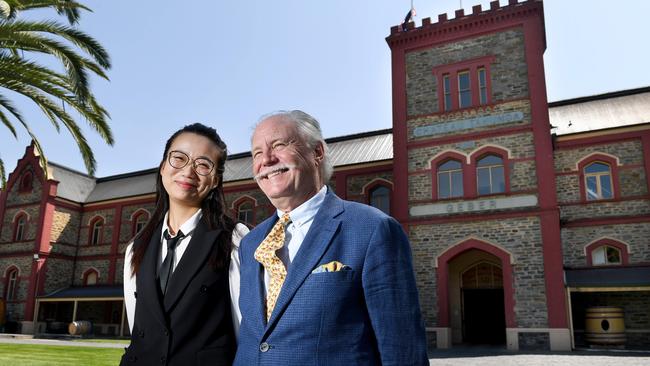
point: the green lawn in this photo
(102, 340)
(28, 355)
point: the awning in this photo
(630, 278)
(85, 293)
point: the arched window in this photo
(598, 181)
(245, 212)
(19, 230)
(139, 221)
(12, 281)
(91, 277)
(482, 275)
(380, 198)
(450, 179)
(26, 183)
(490, 177)
(96, 232)
(607, 251)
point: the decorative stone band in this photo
(474, 205)
(466, 124)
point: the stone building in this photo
(521, 214)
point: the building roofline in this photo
(329, 140)
(60, 166)
(608, 95)
(127, 175)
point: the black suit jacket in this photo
(193, 324)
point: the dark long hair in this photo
(213, 205)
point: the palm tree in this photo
(51, 90)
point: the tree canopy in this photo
(51, 90)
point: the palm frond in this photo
(70, 9)
(49, 90)
(78, 38)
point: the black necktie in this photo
(168, 263)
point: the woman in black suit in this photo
(181, 273)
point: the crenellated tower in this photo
(473, 154)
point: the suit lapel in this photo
(196, 255)
(148, 287)
(311, 251)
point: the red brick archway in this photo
(443, 279)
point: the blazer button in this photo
(166, 332)
(163, 359)
(204, 289)
(141, 334)
(264, 347)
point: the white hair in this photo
(311, 134)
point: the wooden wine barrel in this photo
(79, 327)
(605, 326)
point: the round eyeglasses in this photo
(179, 160)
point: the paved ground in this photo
(498, 357)
(460, 356)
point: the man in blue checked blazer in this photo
(340, 290)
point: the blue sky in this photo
(225, 63)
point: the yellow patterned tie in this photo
(266, 254)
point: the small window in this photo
(245, 212)
(26, 183)
(464, 92)
(605, 255)
(598, 181)
(490, 175)
(482, 86)
(380, 198)
(140, 222)
(450, 179)
(96, 232)
(12, 279)
(446, 85)
(91, 278)
(20, 229)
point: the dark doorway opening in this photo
(483, 316)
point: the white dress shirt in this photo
(188, 229)
(301, 219)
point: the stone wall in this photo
(127, 225)
(101, 266)
(65, 226)
(107, 234)
(58, 274)
(636, 236)
(31, 225)
(263, 208)
(509, 74)
(519, 236)
(356, 183)
(15, 197)
(596, 209)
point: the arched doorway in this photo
(475, 293)
(483, 315)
